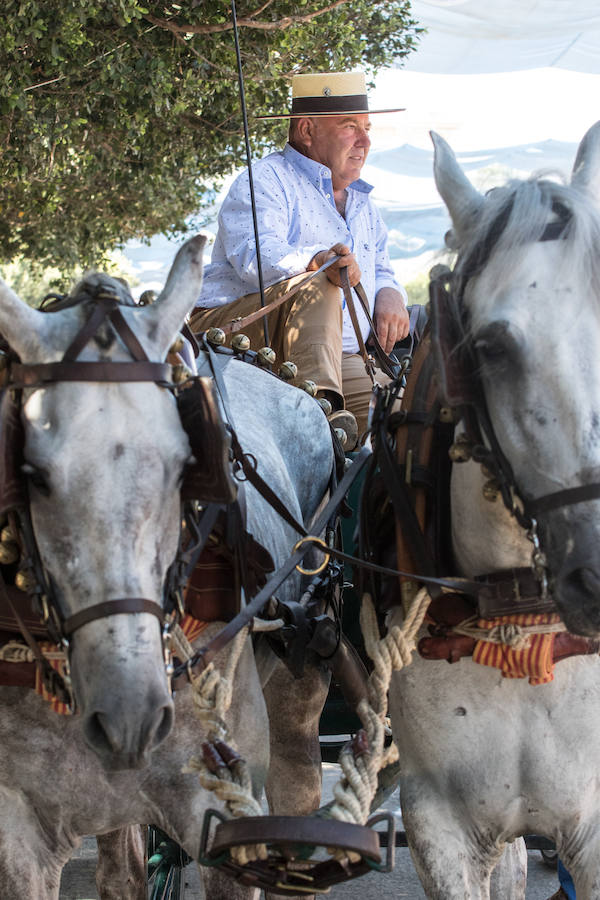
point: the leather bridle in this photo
(71, 369)
(461, 380)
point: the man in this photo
(311, 206)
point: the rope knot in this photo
(512, 636)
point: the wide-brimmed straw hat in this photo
(328, 94)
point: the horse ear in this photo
(34, 335)
(586, 170)
(462, 200)
(165, 316)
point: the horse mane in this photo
(89, 288)
(517, 214)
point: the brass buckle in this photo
(321, 543)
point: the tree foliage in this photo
(116, 116)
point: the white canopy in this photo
(468, 36)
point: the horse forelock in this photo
(89, 289)
(515, 216)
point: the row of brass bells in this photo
(309, 386)
(179, 372)
(216, 337)
(288, 370)
(24, 580)
(325, 405)
(240, 343)
(491, 490)
(461, 450)
(9, 548)
(265, 357)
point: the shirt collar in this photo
(315, 171)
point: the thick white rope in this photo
(356, 789)
(213, 691)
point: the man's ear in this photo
(305, 131)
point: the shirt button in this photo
(328, 196)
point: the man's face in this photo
(341, 143)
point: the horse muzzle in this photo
(121, 689)
(125, 744)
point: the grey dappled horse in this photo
(107, 520)
(484, 758)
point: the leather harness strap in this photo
(367, 358)
(386, 363)
(237, 324)
(28, 376)
(112, 608)
(203, 657)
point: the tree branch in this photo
(248, 22)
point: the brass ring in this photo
(321, 543)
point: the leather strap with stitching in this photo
(386, 363)
(128, 605)
(36, 375)
(237, 324)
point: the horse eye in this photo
(496, 345)
(37, 478)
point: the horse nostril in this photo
(164, 726)
(97, 734)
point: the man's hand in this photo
(333, 272)
(390, 317)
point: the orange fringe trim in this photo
(192, 628)
(59, 665)
(534, 662)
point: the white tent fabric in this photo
(467, 36)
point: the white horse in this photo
(104, 461)
(486, 759)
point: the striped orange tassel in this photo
(56, 705)
(533, 662)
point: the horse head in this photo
(526, 300)
(103, 461)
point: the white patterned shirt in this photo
(297, 218)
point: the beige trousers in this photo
(306, 329)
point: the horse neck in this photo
(485, 537)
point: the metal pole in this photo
(261, 286)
